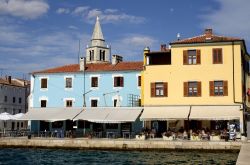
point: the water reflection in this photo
(59, 156)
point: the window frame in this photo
(43, 101)
(118, 81)
(68, 103)
(68, 82)
(164, 87)
(44, 85)
(94, 102)
(94, 82)
(219, 88)
(192, 87)
(217, 54)
(191, 57)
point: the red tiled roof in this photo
(206, 38)
(95, 67)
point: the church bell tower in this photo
(97, 51)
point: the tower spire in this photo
(97, 33)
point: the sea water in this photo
(59, 156)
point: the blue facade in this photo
(56, 93)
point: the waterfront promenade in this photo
(119, 144)
(244, 155)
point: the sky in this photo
(40, 34)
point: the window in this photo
(94, 103)
(43, 103)
(102, 55)
(159, 89)
(14, 99)
(94, 81)
(217, 56)
(14, 111)
(21, 124)
(218, 88)
(44, 82)
(69, 103)
(20, 100)
(5, 98)
(68, 82)
(91, 55)
(191, 57)
(19, 111)
(118, 82)
(139, 81)
(5, 109)
(192, 88)
(115, 102)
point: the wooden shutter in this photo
(220, 56)
(214, 56)
(211, 88)
(225, 88)
(121, 81)
(198, 56)
(198, 88)
(185, 57)
(185, 88)
(165, 87)
(139, 81)
(152, 89)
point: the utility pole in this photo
(84, 98)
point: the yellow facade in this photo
(177, 73)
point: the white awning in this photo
(51, 114)
(110, 114)
(165, 113)
(215, 112)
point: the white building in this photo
(13, 100)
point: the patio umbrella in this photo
(6, 116)
(18, 116)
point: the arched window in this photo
(92, 55)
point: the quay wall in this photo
(117, 144)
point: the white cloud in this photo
(72, 27)
(230, 18)
(113, 16)
(110, 10)
(62, 11)
(35, 51)
(131, 46)
(80, 10)
(27, 9)
(106, 16)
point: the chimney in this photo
(208, 34)
(9, 79)
(116, 59)
(82, 63)
(163, 47)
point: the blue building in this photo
(104, 88)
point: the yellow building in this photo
(200, 82)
